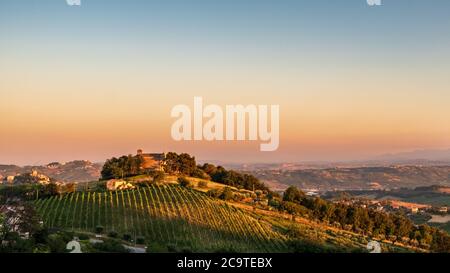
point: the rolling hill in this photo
(74, 171)
(164, 215)
(361, 178)
(173, 217)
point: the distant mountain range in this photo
(408, 169)
(424, 155)
(74, 171)
(360, 178)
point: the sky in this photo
(100, 80)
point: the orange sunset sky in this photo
(100, 80)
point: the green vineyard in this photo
(163, 215)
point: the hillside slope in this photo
(166, 215)
(173, 217)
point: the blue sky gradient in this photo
(334, 66)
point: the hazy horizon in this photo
(406, 156)
(353, 82)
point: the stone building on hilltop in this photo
(152, 161)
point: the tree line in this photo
(122, 167)
(392, 226)
(232, 178)
(129, 166)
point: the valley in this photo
(169, 203)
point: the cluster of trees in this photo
(184, 182)
(226, 194)
(232, 178)
(21, 220)
(183, 164)
(109, 245)
(128, 166)
(31, 192)
(125, 166)
(395, 227)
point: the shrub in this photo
(56, 243)
(172, 248)
(110, 246)
(275, 203)
(294, 208)
(83, 237)
(227, 194)
(67, 236)
(113, 234)
(140, 240)
(214, 193)
(127, 237)
(101, 186)
(203, 184)
(99, 229)
(158, 177)
(156, 248)
(184, 182)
